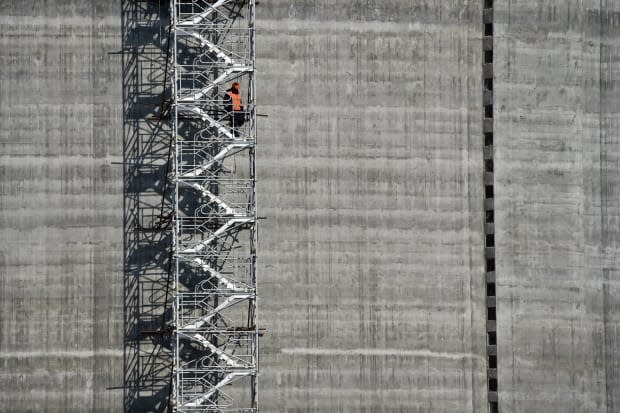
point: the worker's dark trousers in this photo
(236, 121)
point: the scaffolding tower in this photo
(215, 331)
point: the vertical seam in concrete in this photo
(489, 212)
(609, 400)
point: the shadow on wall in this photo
(147, 206)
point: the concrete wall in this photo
(557, 207)
(370, 174)
(61, 199)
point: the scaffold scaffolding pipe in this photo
(215, 339)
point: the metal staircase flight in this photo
(215, 340)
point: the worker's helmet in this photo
(236, 85)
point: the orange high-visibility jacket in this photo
(237, 103)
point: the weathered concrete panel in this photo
(61, 298)
(370, 175)
(371, 281)
(557, 210)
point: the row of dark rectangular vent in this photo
(489, 224)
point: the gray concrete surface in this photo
(369, 173)
(61, 207)
(370, 176)
(557, 206)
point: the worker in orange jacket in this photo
(234, 106)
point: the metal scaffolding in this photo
(215, 331)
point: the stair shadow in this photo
(147, 207)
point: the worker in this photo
(234, 107)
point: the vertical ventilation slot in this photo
(489, 205)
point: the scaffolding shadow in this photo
(147, 206)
